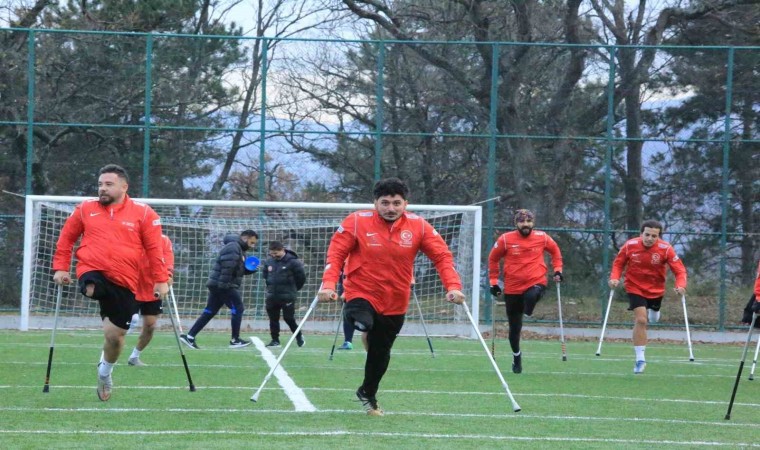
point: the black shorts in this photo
(116, 302)
(359, 314)
(154, 308)
(637, 301)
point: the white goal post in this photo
(197, 228)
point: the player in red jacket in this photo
(524, 273)
(148, 305)
(645, 260)
(116, 232)
(381, 246)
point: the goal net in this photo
(197, 229)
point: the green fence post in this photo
(379, 113)
(263, 123)
(30, 111)
(147, 113)
(491, 189)
(606, 241)
(724, 190)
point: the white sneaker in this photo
(639, 367)
(135, 362)
(105, 384)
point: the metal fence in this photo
(145, 117)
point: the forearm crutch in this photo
(741, 366)
(754, 361)
(313, 305)
(604, 325)
(59, 295)
(176, 310)
(686, 321)
(561, 326)
(422, 320)
(337, 330)
(515, 406)
(177, 332)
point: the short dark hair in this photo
(249, 233)
(114, 168)
(276, 245)
(652, 224)
(390, 186)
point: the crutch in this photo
(741, 366)
(337, 330)
(686, 321)
(754, 362)
(515, 406)
(604, 325)
(422, 320)
(176, 310)
(176, 336)
(59, 295)
(493, 326)
(313, 305)
(561, 327)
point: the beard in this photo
(105, 199)
(525, 231)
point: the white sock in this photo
(639, 349)
(105, 369)
(135, 353)
(653, 316)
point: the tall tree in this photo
(694, 163)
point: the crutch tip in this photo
(564, 358)
(728, 417)
(517, 409)
(691, 359)
(192, 388)
(46, 389)
(253, 399)
(751, 377)
(598, 354)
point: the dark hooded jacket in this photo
(284, 277)
(229, 266)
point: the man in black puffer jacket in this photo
(223, 284)
(284, 276)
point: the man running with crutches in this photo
(116, 233)
(645, 260)
(382, 245)
(524, 271)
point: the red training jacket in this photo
(523, 256)
(381, 259)
(757, 284)
(645, 274)
(145, 287)
(114, 238)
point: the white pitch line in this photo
(294, 393)
(417, 414)
(328, 433)
(420, 392)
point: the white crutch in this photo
(604, 325)
(515, 406)
(686, 321)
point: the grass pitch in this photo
(454, 400)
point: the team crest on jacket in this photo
(406, 238)
(655, 258)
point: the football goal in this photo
(197, 229)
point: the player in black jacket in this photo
(285, 276)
